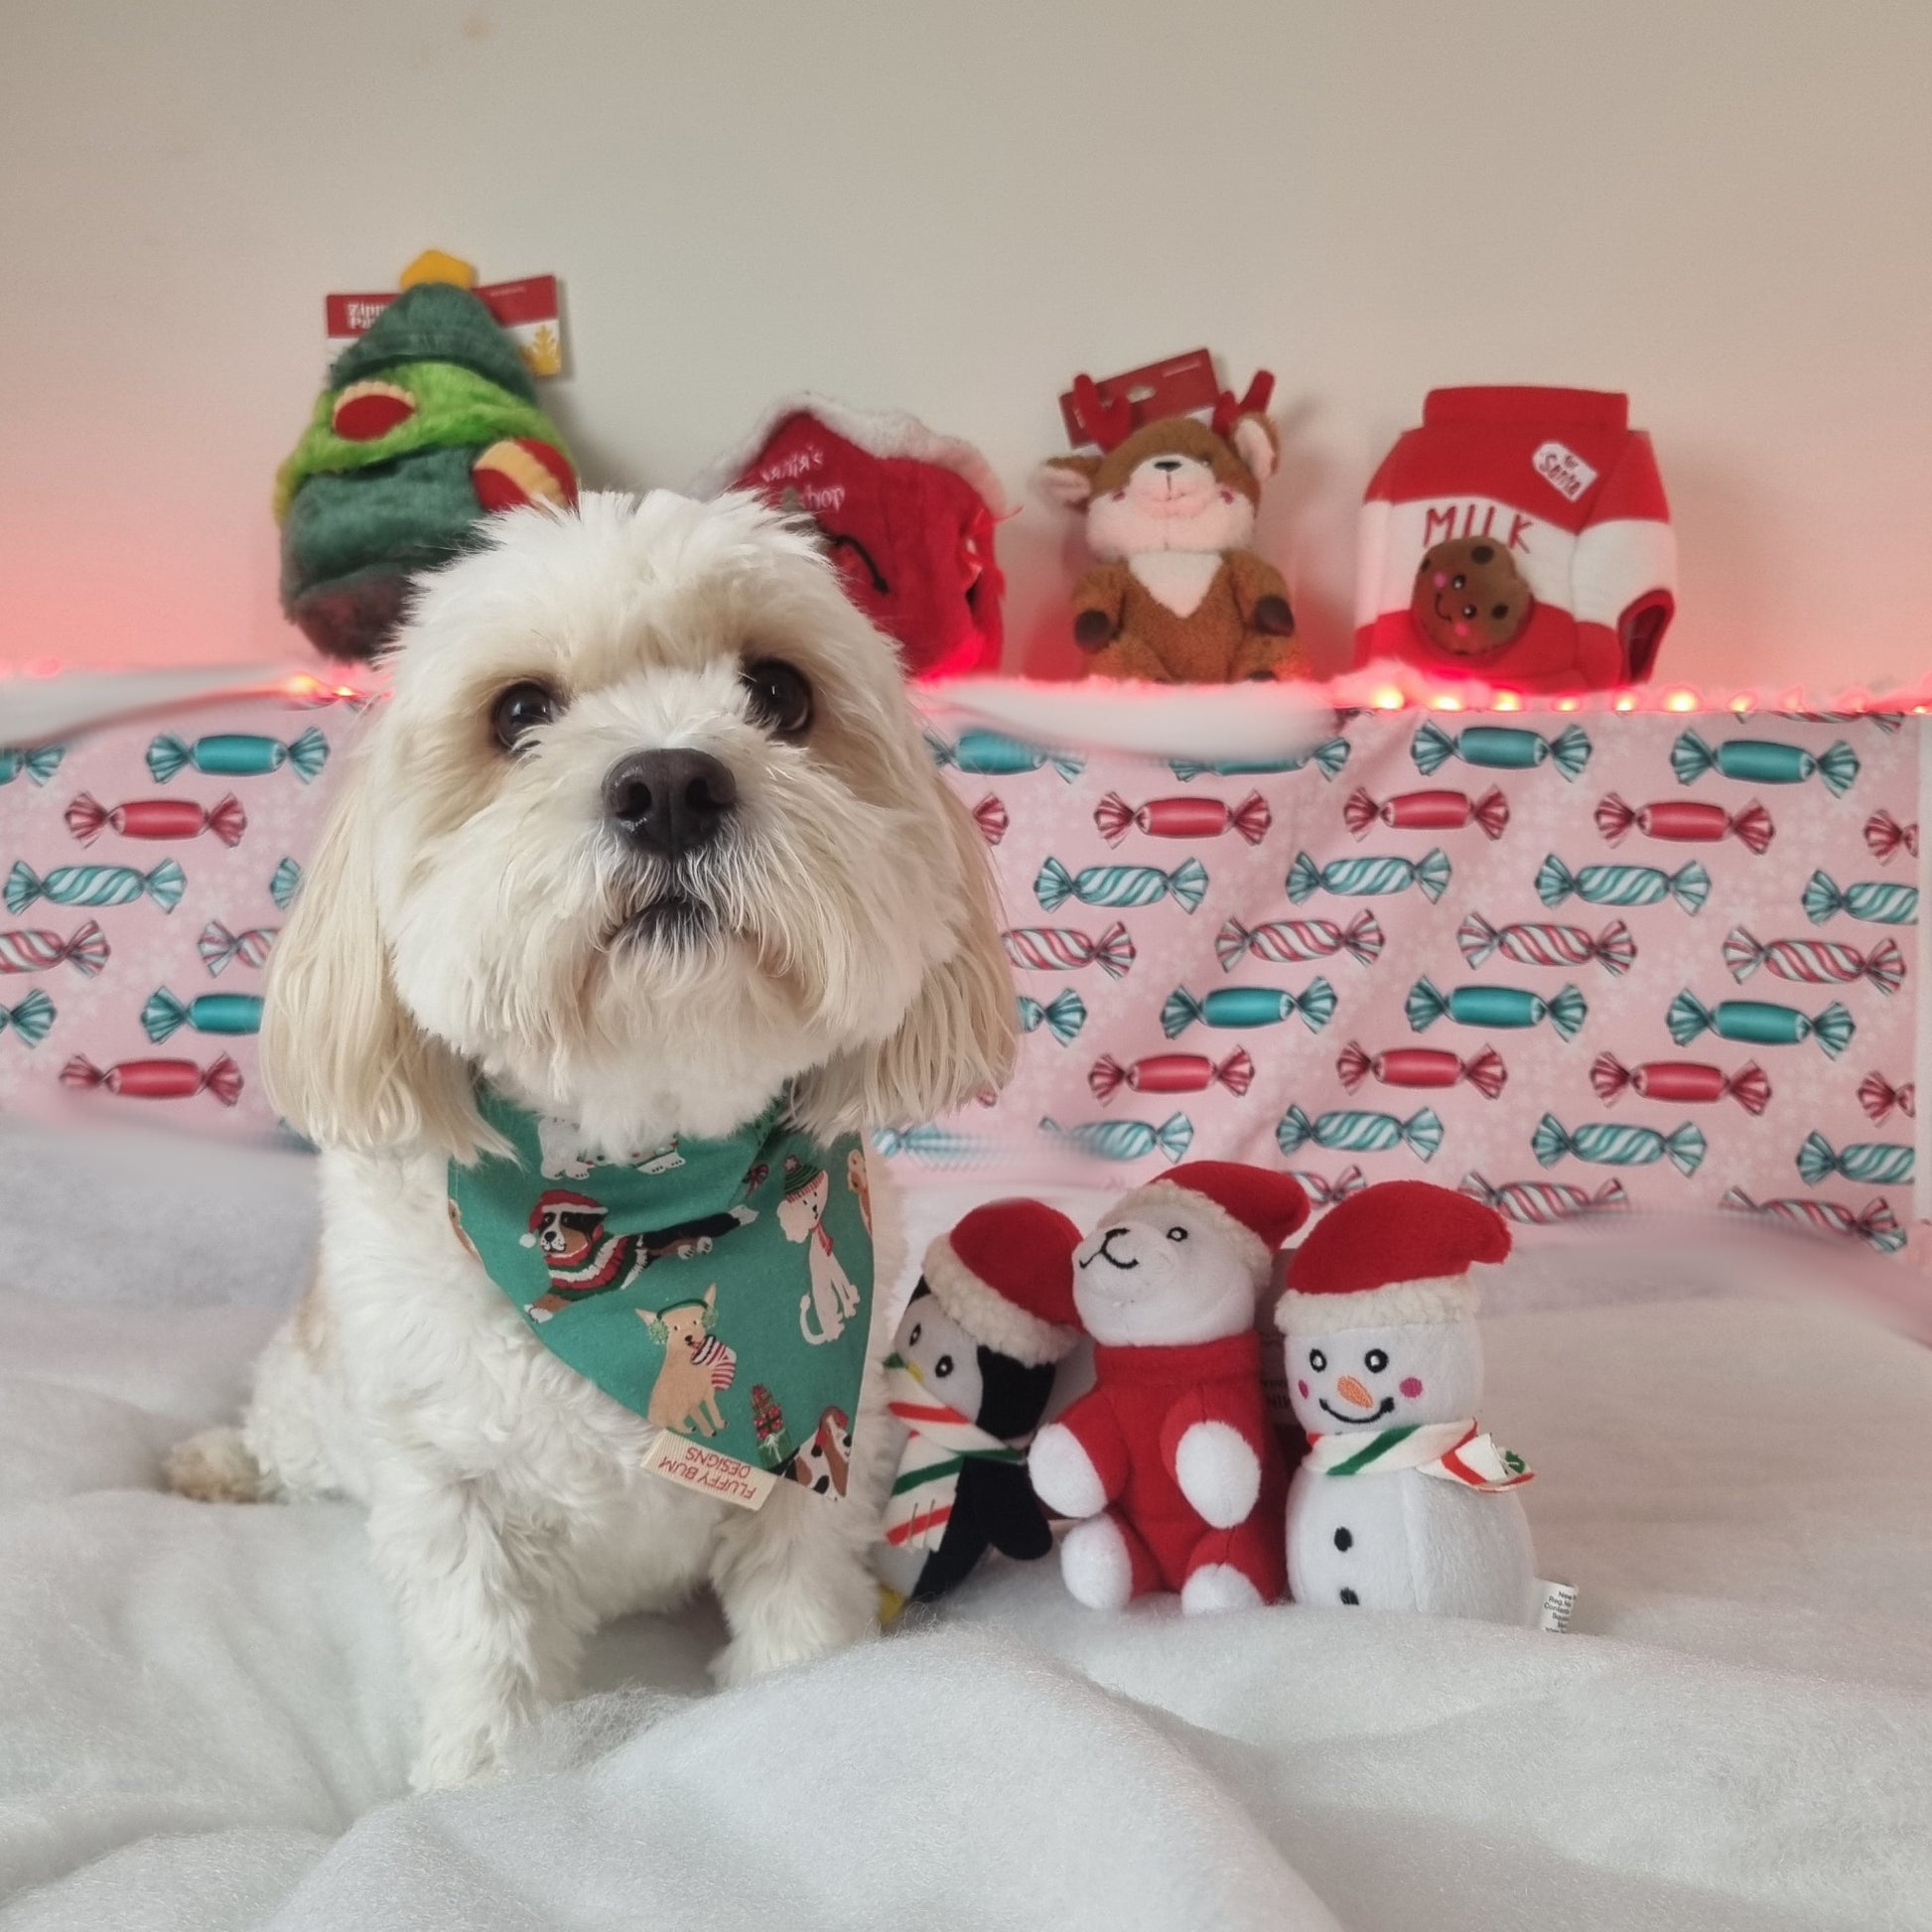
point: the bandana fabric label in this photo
(720, 1289)
(1453, 1452)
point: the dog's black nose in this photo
(1166, 463)
(668, 802)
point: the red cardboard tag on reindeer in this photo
(1107, 410)
(1115, 405)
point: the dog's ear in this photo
(960, 1034)
(654, 1324)
(342, 1057)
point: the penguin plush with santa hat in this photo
(1401, 1502)
(1168, 1461)
(968, 1379)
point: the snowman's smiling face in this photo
(1158, 1274)
(1382, 1378)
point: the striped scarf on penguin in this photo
(938, 1447)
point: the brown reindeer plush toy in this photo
(1177, 596)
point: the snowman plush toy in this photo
(1168, 1461)
(1401, 1503)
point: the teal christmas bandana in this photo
(722, 1290)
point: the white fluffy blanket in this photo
(204, 1723)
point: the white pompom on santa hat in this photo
(1252, 1209)
(1400, 1252)
(1005, 1274)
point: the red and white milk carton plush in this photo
(1520, 536)
(906, 513)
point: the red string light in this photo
(1381, 687)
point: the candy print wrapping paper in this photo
(146, 863)
(1638, 961)
(1599, 962)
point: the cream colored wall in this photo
(1721, 208)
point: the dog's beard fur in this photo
(475, 911)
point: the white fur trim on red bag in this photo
(1433, 1298)
(1249, 1248)
(879, 431)
(988, 1317)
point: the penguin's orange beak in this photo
(1351, 1390)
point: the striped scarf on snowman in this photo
(1455, 1452)
(939, 1443)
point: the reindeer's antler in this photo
(1106, 423)
(1255, 403)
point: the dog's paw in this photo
(742, 1661)
(746, 1659)
(458, 1757)
(214, 1467)
(781, 1643)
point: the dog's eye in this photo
(780, 699)
(1177, 1234)
(520, 711)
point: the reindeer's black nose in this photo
(669, 802)
(1166, 463)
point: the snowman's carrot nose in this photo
(1351, 1390)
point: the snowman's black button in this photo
(1349, 1597)
(1344, 1540)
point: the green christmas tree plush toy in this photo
(429, 421)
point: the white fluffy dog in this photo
(645, 836)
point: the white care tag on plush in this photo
(1563, 470)
(1554, 1601)
(679, 1459)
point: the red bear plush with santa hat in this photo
(1169, 1461)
